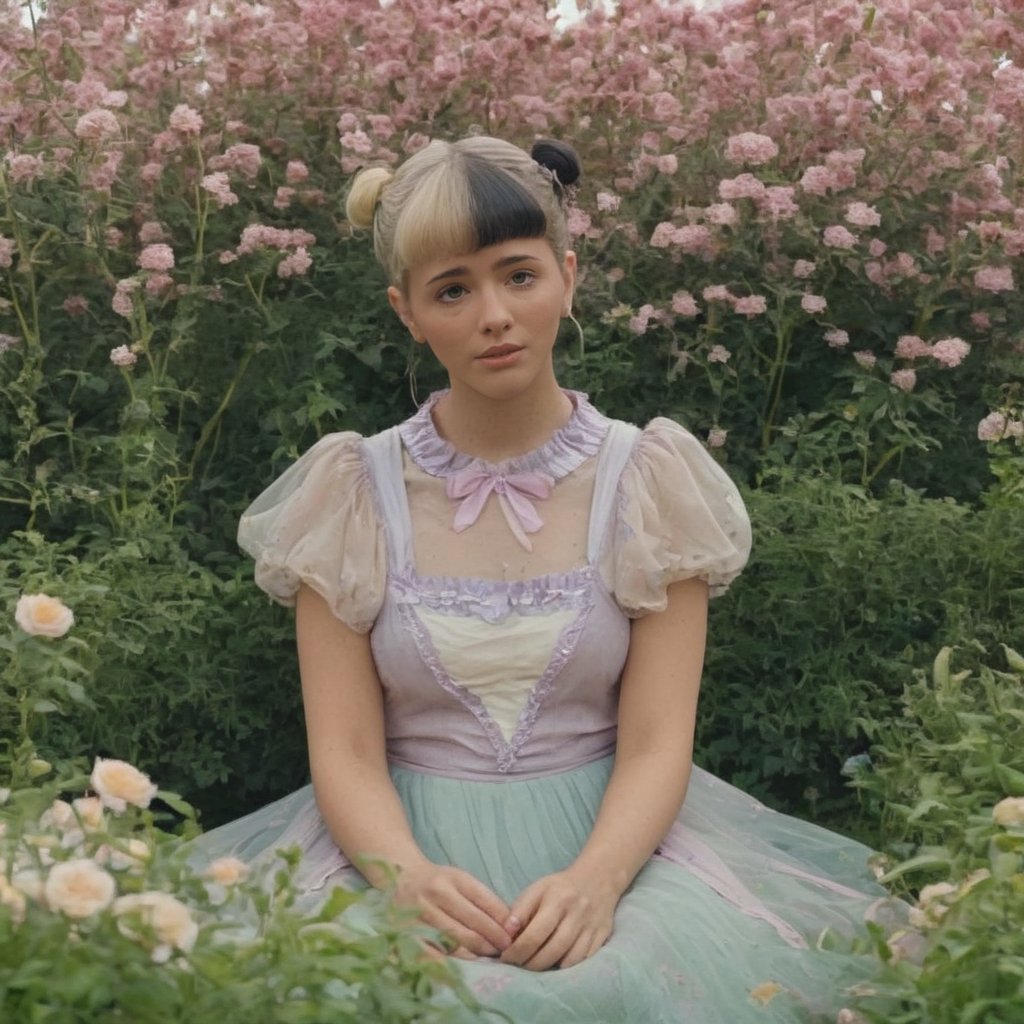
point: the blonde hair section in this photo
(425, 208)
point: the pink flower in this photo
(186, 120)
(694, 239)
(122, 303)
(992, 427)
(994, 279)
(8, 247)
(7, 342)
(24, 167)
(416, 142)
(219, 186)
(283, 197)
(638, 324)
(903, 379)
(667, 163)
(804, 268)
(295, 264)
(578, 222)
(717, 293)
(721, 213)
(778, 202)
(818, 180)
(96, 126)
(684, 304)
(719, 354)
(358, 142)
(151, 231)
(877, 248)
(813, 303)
(751, 148)
(750, 305)
(348, 122)
(837, 338)
(744, 186)
(151, 173)
(76, 305)
(615, 275)
(837, 237)
(157, 284)
(981, 321)
(123, 356)
(157, 257)
(296, 172)
(910, 346)
(381, 125)
(865, 359)
(717, 437)
(950, 352)
(663, 235)
(608, 202)
(862, 215)
(242, 158)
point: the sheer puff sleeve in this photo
(317, 524)
(679, 516)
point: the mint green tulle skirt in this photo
(731, 921)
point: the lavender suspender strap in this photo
(615, 453)
(383, 455)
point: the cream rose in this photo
(117, 783)
(227, 871)
(168, 919)
(78, 888)
(90, 812)
(131, 853)
(1009, 811)
(42, 615)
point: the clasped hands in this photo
(561, 919)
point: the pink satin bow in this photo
(473, 485)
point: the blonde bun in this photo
(364, 194)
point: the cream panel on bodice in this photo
(498, 662)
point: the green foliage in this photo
(844, 594)
(948, 777)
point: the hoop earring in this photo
(410, 374)
(579, 332)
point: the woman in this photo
(501, 607)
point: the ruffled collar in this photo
(567, 448)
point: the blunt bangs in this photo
(461, 206)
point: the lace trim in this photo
(506, 752)
(567, 449)
(493, 600)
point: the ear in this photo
(400, 305)
(569, 278)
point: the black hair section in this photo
(500, 207)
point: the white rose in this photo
(78, 888)
(227, 871)
(1009, 811)
(90, 812)
(168, 918)
(13, 899)
(60, 815)
(42, 615)
(118, 784)
(132, 853)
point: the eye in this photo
(522, 278)
(452, 293)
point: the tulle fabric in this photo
(680, 516)
(680, 950)
(317, 524)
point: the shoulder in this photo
(680, 515)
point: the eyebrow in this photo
(461, 271)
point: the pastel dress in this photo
(498, 599)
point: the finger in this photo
(461, 953)
(458, 932)
(536, 933)
(580, 950)
(478, 893)
(557, 946)
(481, 910)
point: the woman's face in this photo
(491, 316)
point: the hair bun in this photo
(559, 158)
(364, 194)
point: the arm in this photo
(344, 711)
(568, 916)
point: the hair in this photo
(458, 197)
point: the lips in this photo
(496, 351)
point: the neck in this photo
(498, 429)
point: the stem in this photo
(867, 478)
(783, 341)
(214, 421)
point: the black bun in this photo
(558, 157)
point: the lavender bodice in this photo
(567, 626)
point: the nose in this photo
(495, 317)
